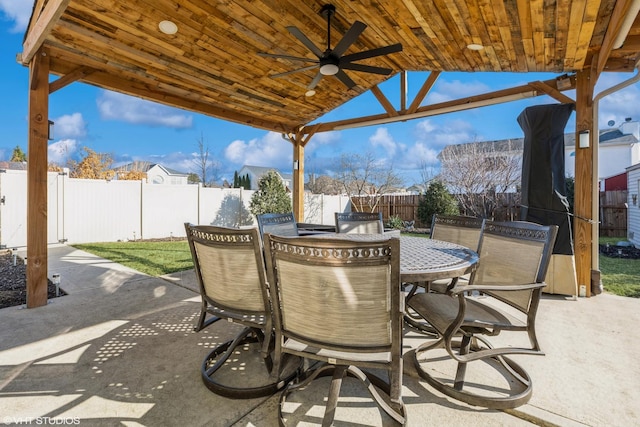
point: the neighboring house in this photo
(619, 148)
(257, 172)
(155, 173)
(615, 183)
(491, 164)
(633, 204)
(16, 166)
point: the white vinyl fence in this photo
(90, 210)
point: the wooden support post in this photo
(298, 178)
(583, 180)
(37, 180)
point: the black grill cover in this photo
(544, 193)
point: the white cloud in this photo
(70, 126)
(61, 151)
(451, 132)
(18, 11)
(117, 106)
(426, 126)
(448, 90)
(326, 138)
(270, 150)
(619, 105)
(420, 153)
(382, 138)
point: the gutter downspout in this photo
(595, 207)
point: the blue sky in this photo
(132, 129)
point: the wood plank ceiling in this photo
(212, 66)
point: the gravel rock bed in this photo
(13, 281)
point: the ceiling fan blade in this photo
(315, 81)
(371, 53)
(366, 68)
(305, 40)
(349, 38)
(286, 73)
(289, 57)
(342, 76)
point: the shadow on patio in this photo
(120, 350)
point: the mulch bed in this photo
(615, 251)
(13, 282)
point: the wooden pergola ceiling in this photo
(211, 64)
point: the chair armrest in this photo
(461, 287)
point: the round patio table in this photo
(422, 259)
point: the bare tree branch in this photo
(363, 177)
(476, 173)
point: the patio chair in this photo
(338, 302)
(229, 266)
(513, 262)
(359, 222)
(279, 224)
(461, 230)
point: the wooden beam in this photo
(384, 101)
(43, 26)
(615, 23)
(403, 91)
(583, 208)
(424, 90)
(37, 180)
(552, 92)
(298, 176)
(77, 74)
(474, 101)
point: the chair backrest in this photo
(511, 254)
(359, 222)
(461, 230)
(278, 224)
(229, 266)
(337, 294)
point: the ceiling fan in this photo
(331, 62)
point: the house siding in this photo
(633, 211)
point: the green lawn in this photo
(619, 276)
(153, 258)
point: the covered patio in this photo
(120, 350)
(219, 58)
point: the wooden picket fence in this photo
(406, 207)
(613, 210)
(613, 213)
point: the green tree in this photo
(247, 182)
(193, 178)
(18, 155)
(437, 200)
(236, 180)
(271, 196)
(570, 182)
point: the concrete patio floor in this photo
(119, 350)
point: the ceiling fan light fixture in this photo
(168, 27)
(475, 46)
(329, 69)
(309, 93)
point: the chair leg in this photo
(396, 410)
(334, 392)
(514, 371)
(462, 366)
(201, 320)
(222, 353)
